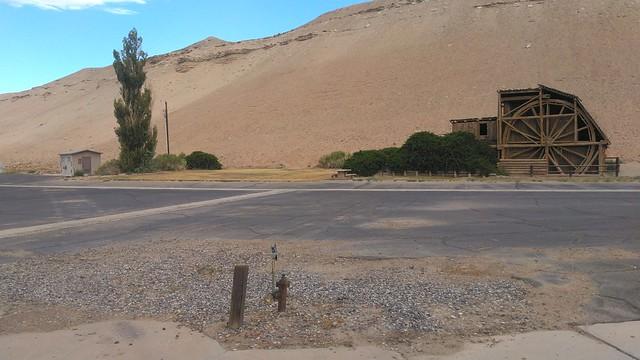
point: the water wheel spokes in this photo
(555, 130)
(527, 153)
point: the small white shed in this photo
(85, 161)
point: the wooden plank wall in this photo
(525, 167)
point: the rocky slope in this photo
(359, 77)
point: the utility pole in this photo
(166, 124)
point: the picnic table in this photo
(343, 174)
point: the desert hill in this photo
(359, 77)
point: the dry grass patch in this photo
(290, 175)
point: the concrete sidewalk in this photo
(156, 340)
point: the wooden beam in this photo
(514, 145)
(499, 127)
(522, 133)
(578, 143)
(532, 128)
(547, 118)
(555, 127)
(521, 152)
(525, 97)
(593, 158)
(602, 169)
(533, 98)
(568, 144)
(575, 120)
(554, 161)
(543, 133)
(560, 132)
(563, 156)
(537, 117)
(574, 152)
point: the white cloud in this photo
(120, 11)
(75, 4)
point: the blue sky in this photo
(43, 40)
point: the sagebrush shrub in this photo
(203, 161)
(111, 167)
(335, 160)
(168, 162)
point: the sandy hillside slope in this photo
(359, 77)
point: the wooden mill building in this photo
(542, 131)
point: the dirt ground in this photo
(414, 305)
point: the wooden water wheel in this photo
(558, 130)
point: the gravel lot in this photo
(334, 298)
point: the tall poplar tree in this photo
(132, 110)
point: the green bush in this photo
(461, 151)
(169, 162)
(486, 159)
(427, 152)
(111, 167)
(423, 152)
(335, 160)
(457, 151)
(370, 162)
(78, 173)
(203, 161)
(483, 167)
(366, 162)
(395, 159)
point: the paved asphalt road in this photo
(389, 219)
(31, 206)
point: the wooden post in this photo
(274, 258)
(602, 169)
(575, 119)
(544, 128)
(499, 127)
(283, 289)
(238, 296)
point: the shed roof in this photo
(540, 86)
(75, 152)
(468, 120)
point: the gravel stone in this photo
(191, 281)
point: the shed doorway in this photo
(86, 164)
